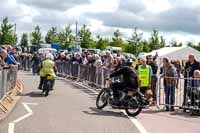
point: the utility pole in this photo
(76, 33)
(14, 39)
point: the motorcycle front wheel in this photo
(102, 99)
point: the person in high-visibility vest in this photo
(47, 68)
(144, 77)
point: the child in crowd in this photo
(196, 82)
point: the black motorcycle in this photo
(47, 87)
(132, 101)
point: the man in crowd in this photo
(144, 76)
(170, 75)
(35, 63)
(3, 54)
(154, 67)
(91, 60)
(10, 60)
(76, 59)
(190, 67)
(62, 57)
(85, 57)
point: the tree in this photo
(36, 36)
(162, 41)
(154, 40)
(7, 33)
(69, 39)
(134, 43)
(24, 40)
(66, 37)
(174, 43)
(51, 36)
(102, 43)
(85, 36)
(145, 46)
(197, 47)
(180, 44)
(190, 44)
(117, 40)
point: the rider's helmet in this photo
(50, 56)
(129, 62)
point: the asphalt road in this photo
(68, 109)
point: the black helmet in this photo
(129, 62)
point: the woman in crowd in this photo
(170, 75)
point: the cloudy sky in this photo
(175, 19)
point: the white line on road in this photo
(133, 120)
(11, 128)
(136, 123)
(23, 117)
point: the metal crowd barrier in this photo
(8, 77)
(91, 74)
(25, 62)
(179, 92)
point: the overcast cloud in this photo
(175, 19)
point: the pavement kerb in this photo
(10, 100)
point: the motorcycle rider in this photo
(47, 67)
(130, 79)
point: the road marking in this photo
(132, 119)
(11, 127)
(136, 123)
(23, 117)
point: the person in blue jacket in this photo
(10, 60)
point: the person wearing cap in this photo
(10, 60)
(144, 76)
(154, 67)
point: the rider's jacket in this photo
(47, 68)
(129, 76)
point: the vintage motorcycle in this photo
(132, 101)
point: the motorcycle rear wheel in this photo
(47, 88)
(134, 111)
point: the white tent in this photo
(175, 53)
(46, 50)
